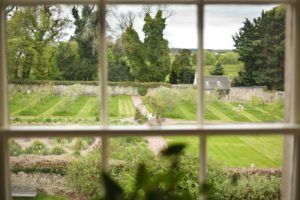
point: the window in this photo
(290, 128)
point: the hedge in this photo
(124, 84)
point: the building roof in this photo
(216, 82)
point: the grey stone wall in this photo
(235, 94)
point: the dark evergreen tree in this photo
(183, 68)
(260, 45)
(156, 48)
(218, 70)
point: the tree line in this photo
(38, 50)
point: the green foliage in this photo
(229, 58)
(32, 32)
(156, 47)
(142, 91)
(14, 148)
(260, 44)
(139, 118)
(57, 150)
(182, 70)
(37, 148)
(218, 70)
(40, 197)
(210, 58)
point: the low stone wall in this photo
(247, 93)
(235, 94)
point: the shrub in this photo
(37, 148)
(57, 150)
(139, 118)
(84, 175)
(14, 148)
(142, 90)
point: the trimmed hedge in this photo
(124, 84)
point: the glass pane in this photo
(245, 167)
(57, 168)
(52, 54)
(151, 66)
(244, 63)
(161, 171)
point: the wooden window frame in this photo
(290, 128)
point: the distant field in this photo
(229, 70)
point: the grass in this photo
(62, 108)
(239, 151)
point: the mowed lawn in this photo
(239, 151)
(236, 151)
(27, 105)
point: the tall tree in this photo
(260, 45)
(156, 47)
(86, 37)
(182, 68)
(31, 34)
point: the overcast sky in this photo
(220, 23)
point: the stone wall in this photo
(247, 93)
(235, 94)
(51, 184)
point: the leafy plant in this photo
(37, 148)
(57, 150)
(142, 90)
(14, 148)
(149, 186)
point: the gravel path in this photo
(156, 144)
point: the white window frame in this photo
(290, 128)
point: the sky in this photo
(221, 22)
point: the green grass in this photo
(229, 70)
(238, 151)
(58, 107)
(121, 106)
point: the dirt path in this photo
(156, 144)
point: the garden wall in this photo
(235, 94)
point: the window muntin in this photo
(279, 129)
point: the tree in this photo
(86, 37)
(182, 70)
(210, 58)
(156, 47)
(260, 44)
(229, 58)
(31, 34)
(132, 48)
(218, 70)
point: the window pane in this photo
(160, 172)
(55, 168)
(52, 54)
(241, 167)
(151, 65)
(244, 63)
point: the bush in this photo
(142, 91)
(57, 150)
(37, 148)
(139, 118)
(14, 148)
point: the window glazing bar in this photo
(103, 80)
(37, 2)
(200, 99)
(4, 166)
